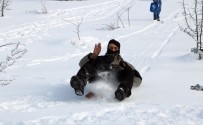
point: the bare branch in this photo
(119, 19)
(196, 21)
(7, 44)
(185, 16)
(77, 25)
(112, 26)
(15, 54)
(128, 10)
(188, 32)
(44, 9)
(201, 26)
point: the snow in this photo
(35, 87)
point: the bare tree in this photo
(194, 22)
(44, 9)
(16, 53)
(3, 5)
(119, 19)
(128, 10)
(119, 14)
(77, 26)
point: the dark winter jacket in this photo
(159, 2)
(112, 63)
(159, 5)
(154, 7)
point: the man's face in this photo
(113, 47)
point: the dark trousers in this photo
(156, 15)
(89, 72)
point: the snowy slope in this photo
(39, 70)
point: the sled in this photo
(89, 95)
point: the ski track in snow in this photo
(116, 113)
(152, 46)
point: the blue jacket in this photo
(154, 7)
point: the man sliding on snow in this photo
(93, 64)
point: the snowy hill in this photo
(44, 53)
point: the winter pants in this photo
(89, 72)
(156, 15)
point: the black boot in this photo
(120, 94)
(78, 84)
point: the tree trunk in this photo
(2, 8)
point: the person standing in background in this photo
(155, 8)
